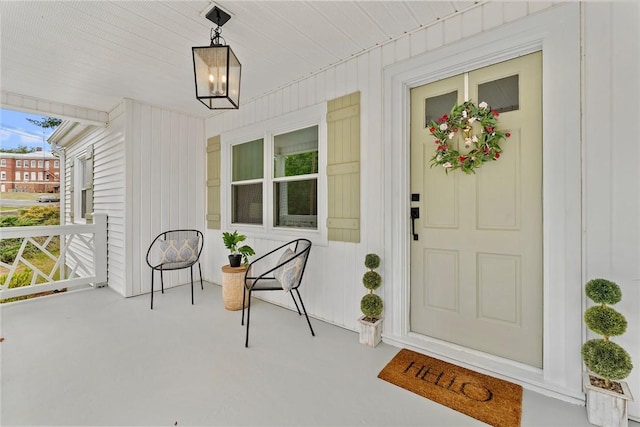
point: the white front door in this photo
(476, 266)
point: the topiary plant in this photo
(602, 356)
(371, 304)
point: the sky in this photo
(15, 130)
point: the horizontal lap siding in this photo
(108, 191)
(333, 285)
(108, 197)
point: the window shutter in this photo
(71, 192)
(213, 183)
(343, 168)
(89, 170)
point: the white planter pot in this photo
(370, 333)
(606, 407)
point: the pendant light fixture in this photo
(217, 69)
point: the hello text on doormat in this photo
(480, 396)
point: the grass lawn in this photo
(20, 196)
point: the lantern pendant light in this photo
(217, 69)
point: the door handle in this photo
(415, 213)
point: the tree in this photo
(22, 149)
(46, 122)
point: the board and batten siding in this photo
(166, 185)
(609, 181)
(611, 177)
(333, 281)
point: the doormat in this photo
(491, 400)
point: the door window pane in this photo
(437, 106)
(502, 95)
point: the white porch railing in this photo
(75, 255)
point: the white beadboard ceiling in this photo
(92, 54)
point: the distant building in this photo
(37, 172)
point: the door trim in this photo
(557, 33)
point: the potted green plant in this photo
(371, 304)
(607, 361)
(238, 253)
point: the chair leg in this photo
(152, 271)
(191, 268)
(162, 280)
(244, 296)
(200, 268)
(295, 302)
(305, 312)
(246, 341)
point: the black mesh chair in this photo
(175, 250)
(284, 267)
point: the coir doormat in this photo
(491, 400)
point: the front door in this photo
(476, 266)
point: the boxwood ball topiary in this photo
(607, 359)
(603, 291)
(605, 321)
(371, 280)
(372, 261)
(371, 305)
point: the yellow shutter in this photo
(343, 168)
(213, 182)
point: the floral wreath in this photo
(462, 117)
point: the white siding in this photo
(165, 156)
(108, 195)
(610, 177)
(333, 285)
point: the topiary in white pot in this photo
(370, 324)
(606, 398)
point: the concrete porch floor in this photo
(93, 357)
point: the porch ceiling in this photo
(92, 54)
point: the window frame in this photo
(3, 162)
(3, 176)
(79, 162)
(267, 130)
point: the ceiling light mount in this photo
(216, 68)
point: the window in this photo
(56, 163)
(81, 184)
(295, 172)
(33, 176)
(3, 176)
(246, 182)
(39, 176)
(26, 176)
(3, 162)
(46, 164)
(274, 183)
(18, 163)
(40, 163)
(33, 163)
(17, 176)
(25, 164)
(85, 180)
